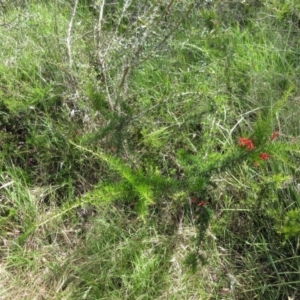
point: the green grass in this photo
(122, 176)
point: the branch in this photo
(126, 69)
(137, 51)
(69, 34)
(100, 55)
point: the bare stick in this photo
(126, 69)
(136, 53)
(69, 33)
(99, 53)
(166, 37)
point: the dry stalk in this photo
(100, 55)
(125, 72)
(124, 10)
(69, 34)
(136, 53)
(167, 36)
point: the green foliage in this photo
(291, 224)
(134, 183)
(121, 157)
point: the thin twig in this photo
(125, 72)
(166, 37)
(99, 53)
(138, 49)
(69, 33)
(124, 10)
(99, 30)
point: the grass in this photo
(122, 176)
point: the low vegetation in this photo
(149, 149)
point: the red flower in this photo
(264, 156)
(202, 203)
(274, 135)
(248, 144)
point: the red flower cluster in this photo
(248, 144)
